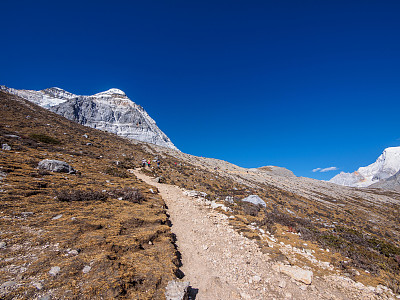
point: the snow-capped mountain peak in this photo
(387, 164)
(110, 110)
(110, 92)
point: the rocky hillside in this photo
(110, 111)
(101, 232)
(387, 164)
(392, 183)
(96, 233)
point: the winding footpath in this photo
(221, 264)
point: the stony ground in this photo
(220, 263)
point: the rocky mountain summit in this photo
(391, 183)
(110, 111)
(387, 164)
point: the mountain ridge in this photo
(386, 165)
(109, 110)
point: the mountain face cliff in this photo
(110, 111)
(387, 165)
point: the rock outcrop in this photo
(392, 183)
(56, 166)
(177, 290)
(255, 200)
(110, 111)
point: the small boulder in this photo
(54, 270)
(56, 166)
(295, 272)
(177, 290)
(255, 200)
(6, 147)
(160, 179)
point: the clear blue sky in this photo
(299, 84)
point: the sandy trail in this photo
(222, 264)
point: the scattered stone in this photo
(73, 252)
(152, 191)
(2, 175)
(89, 144)
(256, 278)
(37, 285)
(6, 147)
(282, 284)
(86, 269)
(303, 287)
(12, 136)
(57, 217)
(160, 179)
(54, 270)
(255, 200)
(195, 194)
(85, 136)
(25, 214)
(56, 166)
(177, 290)
(46, 297)
(295, 272)
(3, 245)
(308, 251)
(8, 284)
(229, 199)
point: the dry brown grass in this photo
(117, 226)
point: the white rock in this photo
(177, 290)
(295, 272)
(54, 270)
(57, 217)
(86, 269)
(37, 285)
(255, 200)
(6, 147)
(73, 252)
(282, 284)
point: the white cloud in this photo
(325, 169)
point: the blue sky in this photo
(298, 84)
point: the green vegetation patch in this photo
(40, 137)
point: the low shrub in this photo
(80, 195)
(128, 194)
(249, 208)
(113, 171)
(40, 137)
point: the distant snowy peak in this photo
(110, 111)
(111, 92)
(387, 164)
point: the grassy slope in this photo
(363, 236)
(128, 245)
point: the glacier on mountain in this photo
(110, 111)
(387, 165)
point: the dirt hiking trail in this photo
(220, 263)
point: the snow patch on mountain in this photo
(387, 164)
(110, 111)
